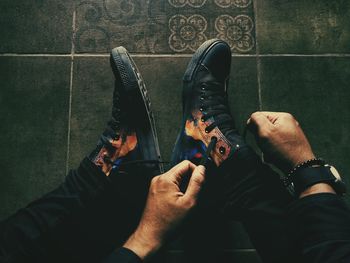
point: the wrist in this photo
(317, 189)
(297, 161)
(142, 245)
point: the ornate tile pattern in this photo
(191, 3)
(187, 32)
(236, 3)
(236, 31)
(169, 26)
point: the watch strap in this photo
(308, 176)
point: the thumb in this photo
(196, 182)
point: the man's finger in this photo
(271, 116)
(258, 122)
(180, 170)
(195, 184)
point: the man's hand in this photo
(166, 207)
(281, 139)
(284, 143)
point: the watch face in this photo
(335, 173)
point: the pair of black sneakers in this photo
(208, 131)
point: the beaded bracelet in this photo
(315, 161)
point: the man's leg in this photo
(250, 191)
(99, 204)
(255, 196)
(83, 219)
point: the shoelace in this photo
(107, 159)
(214, 104)
(137, 162)
(206, 158)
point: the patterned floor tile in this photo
(169, 26)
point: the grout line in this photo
(34, 55)
(257, 51)
(70, 91)
(174, 55)
(305, 55)
(258, 75)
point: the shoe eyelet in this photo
(201, 109)
(201, 98)
(117, 137)
(206, 131)
(202, 119)
(222, 150)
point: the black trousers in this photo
(89, 215)
(85, 218)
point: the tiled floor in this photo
(55, 81)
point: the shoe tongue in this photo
(204, 75)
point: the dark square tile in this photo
(40, 26)
(299, 26)
(34, 123)
(316, 91)
(169, 26)
(93, 88)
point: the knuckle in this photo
(199, 179)
(161, 179)
(190, 203)
(288, 116)
(186, 163)
(154, 180)
(255, 115)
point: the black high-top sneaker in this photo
(208, 131)
(123, 163)
(129, 144)
(242, 187)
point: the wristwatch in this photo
(313, 172)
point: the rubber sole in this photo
(134, 86)
(198, 57)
